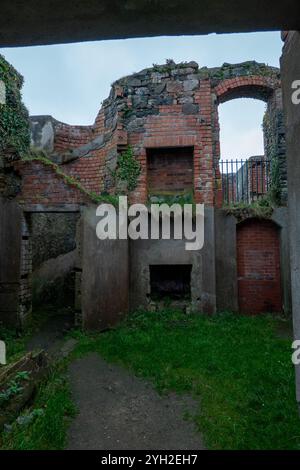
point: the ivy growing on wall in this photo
(128, 169)
(14, 119)
(271, 154)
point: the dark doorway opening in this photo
(171, 281)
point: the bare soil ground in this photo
(120, 411)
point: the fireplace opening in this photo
(170, 171)
(171, 281)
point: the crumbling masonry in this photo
(168, 116)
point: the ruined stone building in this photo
(167, 116)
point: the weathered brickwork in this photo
(167, 106)
(169, 171)
(168, 115)
(69, 137)
(258, 258)
(43, 186)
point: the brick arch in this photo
(266, 88)
(258, 265)
(254, 86)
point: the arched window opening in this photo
(244, 166)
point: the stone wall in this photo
(166, 106)
(52, 234)
(53, 241)
(171, 106)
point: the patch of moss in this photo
(261, 209)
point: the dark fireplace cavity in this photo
(171, 281)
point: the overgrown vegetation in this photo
(14, 120)
(15, 342)
(16, 339)
(261, 209)
(275, 190)
(237, 368)
(14, 386)
(44, 425)
(128, 169)
(171, 198)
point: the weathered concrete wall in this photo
(290, 66)
(10, 262)
(35, 22)
(105, 276)
(281, 217)
(157, 252)
(226, 263)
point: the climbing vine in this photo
(128, 169)
(271, 154)
(14, 119)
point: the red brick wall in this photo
(69, 137)
(183, 112)
(41, 185)
(170, 170)
(253, 86)
(258, 259)
(88, 170)
(172, 128)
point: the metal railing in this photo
(244, 180)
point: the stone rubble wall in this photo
(170, 105)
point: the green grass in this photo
(15, 343)
(16, 339)
(48, 419)
(237, 367)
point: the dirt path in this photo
(120, 411)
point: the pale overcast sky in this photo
(69, 81)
